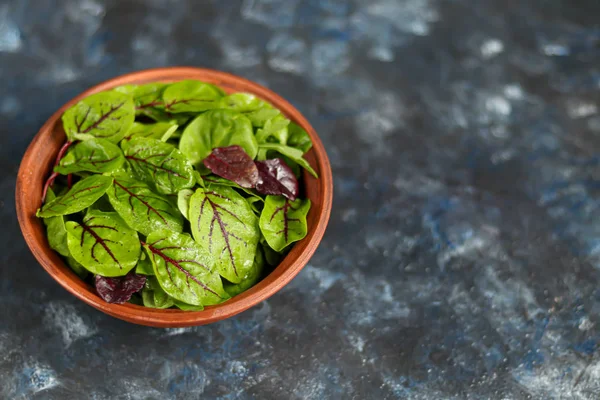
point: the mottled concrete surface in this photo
(462, 259)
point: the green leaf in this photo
(255, 109)
(291, 152)
(156, 130)
(154, 296)
(142, 209)
(217, 128)
(104, 115)
(144, 266)
(103, 244)
(272, 257)
(161, 164)
(298, 138)
(148, 96)
(283, 222)
(187, 307)
(94, 155)
(233, 289)
(82, 195)
(55, 230)
(224, 224)
(191, 96)
(126, 89)
(183, 201)
(276, 129)
(184, 268)
(212, 179)
(77, 268)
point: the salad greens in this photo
(175, 195)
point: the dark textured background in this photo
(463, 255)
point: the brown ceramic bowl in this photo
(37, 164)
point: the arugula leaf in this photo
(224, 224)
(233, 289)
(103, 244)
(184, 269)
(160, 163)
(94, 155)
(283, 221)
(82, 195)
(142, 209)
(104, 115)
(157, 130)
(191, 96)
(256, 110)
(298, 138)
(183, 201)
(291, 152)
(154, 296)
(217, 128)
(55, 230)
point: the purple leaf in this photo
(276, 178)
(120, 289)
(233, 163)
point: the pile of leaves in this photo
(175, 195)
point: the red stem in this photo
(70, 180)
(53, 175)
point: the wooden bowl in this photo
(37, 164)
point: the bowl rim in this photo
(297, 258)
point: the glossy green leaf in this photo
(104, 115)
(224, 224)
(184, 268)
(157, 130)
(161, 164)
(77, 268)
(274, 130)
(94, 155)
(183, 201)
(298, 138)
(144, 266)
(233, 289)
(191, 96)
(154, 296)
(272, 257)
(55, 230)
(82, 195)
(212, 179)
(292, 153)
(217, 128)
(103, 244)
(283, 222)
(148, 95)
(187, 307)
(142, 209)
(255, 109)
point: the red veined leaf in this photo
(277, 178)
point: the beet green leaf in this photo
(292, 153)
(184, 269)
(161, 164)
(183, 201)
(191, 96)
(224, 224)
(142, 209)
(233, 289)
(82, 195)
(157, 130)
(105, 115)
(94, 155)
(103, 244)
(217, 128)
(283, 221)
(154, 296)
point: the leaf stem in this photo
(54, 174)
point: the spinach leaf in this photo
(275, 128)
(183, 201)
(283, 222)
(224, 224)
(94, 155)
(142, 209)
(255, 109)
(104, 115)
(191, 96)
(55, 230)
(291, 152)
(157, 130)
(233, 289)
(154, 296)
(217, 128)
(144, 266)
(82, 195)
(234, 164)
(103, 244)
(298, 138)
(187, 307)
(118, 290)
(160, 163)
(184, 269)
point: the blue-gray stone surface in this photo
(462, 260)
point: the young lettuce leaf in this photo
(276, 129)
(142, 209)
(82, 195)
(191, 96)
(283, 222)
(298, 138)
(217, 128)
(183, 201)
(161, 164)
(103, 244)
(224, 224)
(94, 155)
(184, 269)
(104, 115)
